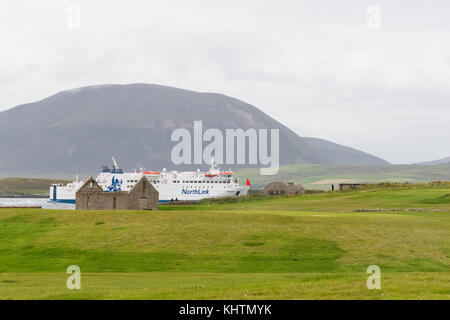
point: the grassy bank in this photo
(314, 177)
(321, 177)
(26, 186)
(313, 246)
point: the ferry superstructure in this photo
(171, 185)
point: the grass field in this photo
(298, 247)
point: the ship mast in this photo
(214, 169)
(115, 166)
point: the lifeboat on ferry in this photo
(210, 175)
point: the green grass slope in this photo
(321, 176)
(299, 247)
(26, 186)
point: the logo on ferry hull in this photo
(195, 191)
(116, 185)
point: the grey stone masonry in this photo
(143, 196)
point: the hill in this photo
(79, 130)
(26, 186)
(299, 247)
(435, 162)
(339, 154)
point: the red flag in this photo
(248, 182)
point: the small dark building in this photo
(143, 196)
(283, 188)
(349, 186)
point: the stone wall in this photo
(143, 196)
(348, 186)
(283, 188)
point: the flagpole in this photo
(246, 195)
(246, 202)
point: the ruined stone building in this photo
(283, 188)
(143, 196)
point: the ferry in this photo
(171, 185)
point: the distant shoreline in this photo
(30, 207)
(30, 196)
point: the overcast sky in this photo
(317, 66)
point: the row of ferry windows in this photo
(204, 181)
(178, 181)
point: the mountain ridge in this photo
(434, 162)
(78, 130)
(340, 154)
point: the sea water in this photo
(33, 202)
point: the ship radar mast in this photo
(116, 168)
(115, 165)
